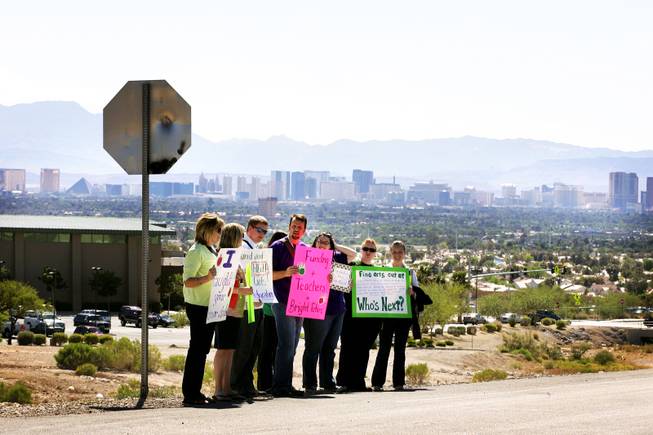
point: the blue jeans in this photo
(288, 329)
(321, 338)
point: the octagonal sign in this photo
(170, 126)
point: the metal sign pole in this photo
(146, 240)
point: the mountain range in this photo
(66, 136)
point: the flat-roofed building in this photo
(12, 180)
(74, 245)
(50, 180)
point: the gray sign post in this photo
(146, 125)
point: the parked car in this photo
(473, 318)
(45, 323)
(505, 317)
(85, 319)
(6, 328)
(132, 314)
(538, 315)
(166, 320)
(87, 329)
(104, 314)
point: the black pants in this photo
(266, 355)
(399, 329)
(249, 344)
(201, 337)
(358, 336)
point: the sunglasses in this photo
(261, 230)
(366, 249)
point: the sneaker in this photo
(342, 390)
(329, 390)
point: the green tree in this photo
(4, 273)
(171, 286)
(647, 264)
(448, 301)
(19, 296)
(51, 277)
(105, 283)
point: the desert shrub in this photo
(17, 393)
(547, 321)
(39, 339)
(130, 390)
(456, 331)
(448, 342)
(105, 338)
(91, 339)
(471, 330)
(512, 321)
(499, 326)
(25, 338)
(525, 321)
(561, 324)
(527, 345)
(181, 319)
(489, 375)
(417, 374)
(73, 355)
(153, 359)
(427, 341)
(58, 338)
(75, 338)
(175, 363)
(489, 327)
(552, 351)
(86, 369)
(581, 315)
(410, 342)
(441, 343)
(437, 331)
(604, 357)
(548, 365)
(579, 349)
(523, 352)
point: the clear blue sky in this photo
(579, 72)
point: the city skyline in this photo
(375, 71)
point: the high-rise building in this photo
(313, 187)
(227, 185)
(298, 186)
(12, 180)
(623, 189)
(50, 180)
(509, 191)
(428, 193)
(280, 184)
(338, 190)
(114, 189)
(241, 184)
(566, 196)
(203, 184)
(649, 194)
(362, 180)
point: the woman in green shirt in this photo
(199, 271)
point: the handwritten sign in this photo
(223, 284)
(380, 292)
(341, 281)
(309, 289)
(260, 263)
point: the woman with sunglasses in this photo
(358, 336)
(321, 336)
(199, 271)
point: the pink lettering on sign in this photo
(309, 289)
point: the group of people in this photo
(270, 340)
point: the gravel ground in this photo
(8, 410)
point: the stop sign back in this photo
(169, 126)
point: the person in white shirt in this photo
(249, 343)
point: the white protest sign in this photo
(223, 284)
(341, 277)
(260, 264)
(380, 292)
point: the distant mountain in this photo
(64, 135)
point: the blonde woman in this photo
(199, 271)
(227, 331)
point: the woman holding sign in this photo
(226, 332)
(321, 336)
(199, 271)
(393, 327)
(358, 336)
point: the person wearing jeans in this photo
(288, 328)
(321, 336)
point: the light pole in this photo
(96, 270)
(51, 279)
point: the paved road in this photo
(597, 403)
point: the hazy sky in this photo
(579, 72)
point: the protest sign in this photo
(341, 278)
(223, 284)
(380, 292)
(309, 289)
(260, 263)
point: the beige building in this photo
(74, 245)
(12, 180)
(50, 179)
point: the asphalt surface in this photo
(588, 404)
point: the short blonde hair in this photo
(207, 224)
(369, 240)
(232, 235)
(398, 244)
